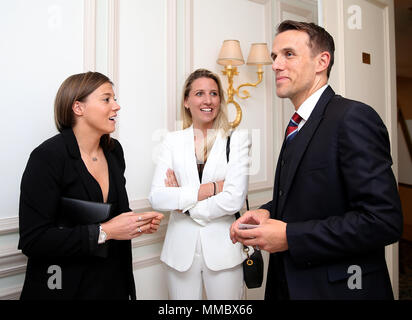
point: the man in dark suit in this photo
(335, 201)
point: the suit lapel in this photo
(302, 140)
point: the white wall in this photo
(141, 87)
(41, 45)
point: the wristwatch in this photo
(102, 235)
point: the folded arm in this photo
(233, 195)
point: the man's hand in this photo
(249, 217)
(269, 236)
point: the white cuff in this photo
(188, 197)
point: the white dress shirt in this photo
(308, 105)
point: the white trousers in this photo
(219, 285)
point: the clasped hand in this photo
(270, 235)
(129, 225)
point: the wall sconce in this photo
(231, 56)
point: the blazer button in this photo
(282, 163)
(280, 193)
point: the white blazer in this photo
(209, 219)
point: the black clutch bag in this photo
(253, 270)
(81, 212)
(74, 212)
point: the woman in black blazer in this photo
(74, 261)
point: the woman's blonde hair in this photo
(221, 122)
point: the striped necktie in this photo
(292, 128)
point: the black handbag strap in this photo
(237, 214)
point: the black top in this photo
(200, 167)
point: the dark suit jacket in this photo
(340, 201)
(55, 169)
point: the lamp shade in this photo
(230, 53)
(259, 54)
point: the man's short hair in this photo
(319, 39)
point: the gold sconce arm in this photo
(245, 92)
(230, 72)
(238, 118)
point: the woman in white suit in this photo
(194, 180)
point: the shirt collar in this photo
(309, 104)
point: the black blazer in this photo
(55, 169)
(340, 201)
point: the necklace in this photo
(94, 158)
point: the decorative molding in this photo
(260, 1)
(188, 36)
(379, 3)
(149, 239)
(12, 293)
(341, 48)
(140, 205)
(89, 39)
(269, 136)
(112, 40)
(9, 225)
(320, 13)
(146, 262)
(390, 74)
(171, 64)
(12, 262)
(300, 11)
(113, 51)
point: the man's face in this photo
(294, 66)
